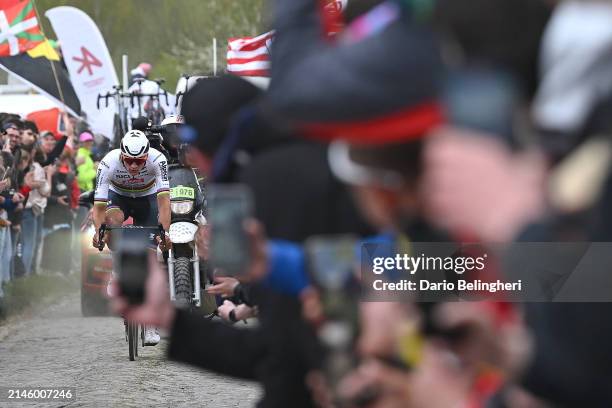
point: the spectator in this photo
(5, 233)
(12, 127)
(86, 171)
(101, 146)
(57, 231)
(140, 72)
(30, 133)
(38, 180)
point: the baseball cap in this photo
(85, 137)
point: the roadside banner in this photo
(89, 64)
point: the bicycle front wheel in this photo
(133, 340)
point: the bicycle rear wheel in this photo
(133, 340)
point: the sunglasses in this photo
(129, 161)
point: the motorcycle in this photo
(186, 205)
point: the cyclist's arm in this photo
(163, 191)
(163, 203)
(101, 194)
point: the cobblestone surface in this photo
(58, 347)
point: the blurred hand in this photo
(157, 310)
(51, 170)
(4, 184)
(437, 382)
(29, 181)
(224, 286)
(473, 185)
(62, 201)
(166, 244)
(18, 197)
(2, 200)
(225, 309)
(6, 147)
(506, 346)
(95, 241)
(380, 325)
(243, 312)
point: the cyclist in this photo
(132, 181)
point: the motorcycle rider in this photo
(172, 125)
(132, 181)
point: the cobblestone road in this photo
(58, 347)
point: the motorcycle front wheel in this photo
(183, 286)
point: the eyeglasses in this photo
(129, 161)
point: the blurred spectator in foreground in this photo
(288, 175)
(86, 171)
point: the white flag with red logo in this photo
(248, 56)
(89, 63)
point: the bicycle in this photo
(131, 328)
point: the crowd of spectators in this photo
(42, 175)
(432, 121)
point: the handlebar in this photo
(104, 228)
(101, 232)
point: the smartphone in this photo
(229, 206)
(131, 262)
(469, 92)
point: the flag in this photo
(248, 56)
(28, 55)
(19, 29)
(38, 73)
(331, 16)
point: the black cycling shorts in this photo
(143, 210)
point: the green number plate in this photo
(182, 192)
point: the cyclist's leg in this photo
(116, 209)
(115, 215)
(145, 213)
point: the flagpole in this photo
(42, 30)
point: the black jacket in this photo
(278, 353)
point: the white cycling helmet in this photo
(135, 144)
(173, 120)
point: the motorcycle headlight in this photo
(181, 207)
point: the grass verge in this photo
(37, 290)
